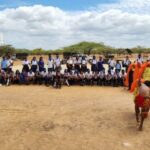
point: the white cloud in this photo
(124, 24)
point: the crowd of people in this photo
(76, 72)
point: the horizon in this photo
(57, 24)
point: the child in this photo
(31, 76)
(17, 77)
(34, 64)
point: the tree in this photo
(5, 49)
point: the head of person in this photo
(100, 57)
(122, 71)
(4, 58)
(8, 57)
(34, 58)
(127, 57)
(94, 57)
(139, 55)
(17, 72)
(41, 59)
(25, 59)
(57, 56)
(50, 56)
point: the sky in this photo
(52, 24)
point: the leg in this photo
(137, 112)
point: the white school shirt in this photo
(70, 61)
(84, 62)
(50, 63)
(112, 63)
(78, 62)
(25, 62)
(127, 62)
(9, 62)
(43, 74)
(57, 61)
(34, 62)
(140, 60)
(31, 74)
(94, 61)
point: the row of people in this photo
(56, 78)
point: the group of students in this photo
(77, 72)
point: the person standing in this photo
(84, 65)
(111, 63)
(57, 63)
(34, 64)
(118, 67)
(94, 64)
(41, 64)
(100, 64)
(4, 64)
(50, 63)
(25, 64)
(126, 63)
(140, 59)
(77, 64)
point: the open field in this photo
(75, 118)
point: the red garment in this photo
(139, 100)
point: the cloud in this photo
(119, 24)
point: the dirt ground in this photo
(73, 118)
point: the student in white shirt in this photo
(77, 64)
(126, 63)
(94, 67)
(34, 64)
(25, 64)
(111, 63)
(57, 63)
(139, 59)
(84, 65)
(50, 63)
(70, 64)
(31, 76)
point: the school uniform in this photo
(48, 79)
(57, 64)
(100, 65)
(43, 75)
(94, 65)
(69, 64)
(118, 67)
(4, 64)
(77, 64)
(50, 65)
(126, 64)
(84, 65)
(57, 83)
(41, 66)
(101, 78)
(111, 64)
(25, 64)
(34, 65)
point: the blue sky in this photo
(63, 4)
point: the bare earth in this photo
(75, 118)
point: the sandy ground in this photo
(74, 118)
